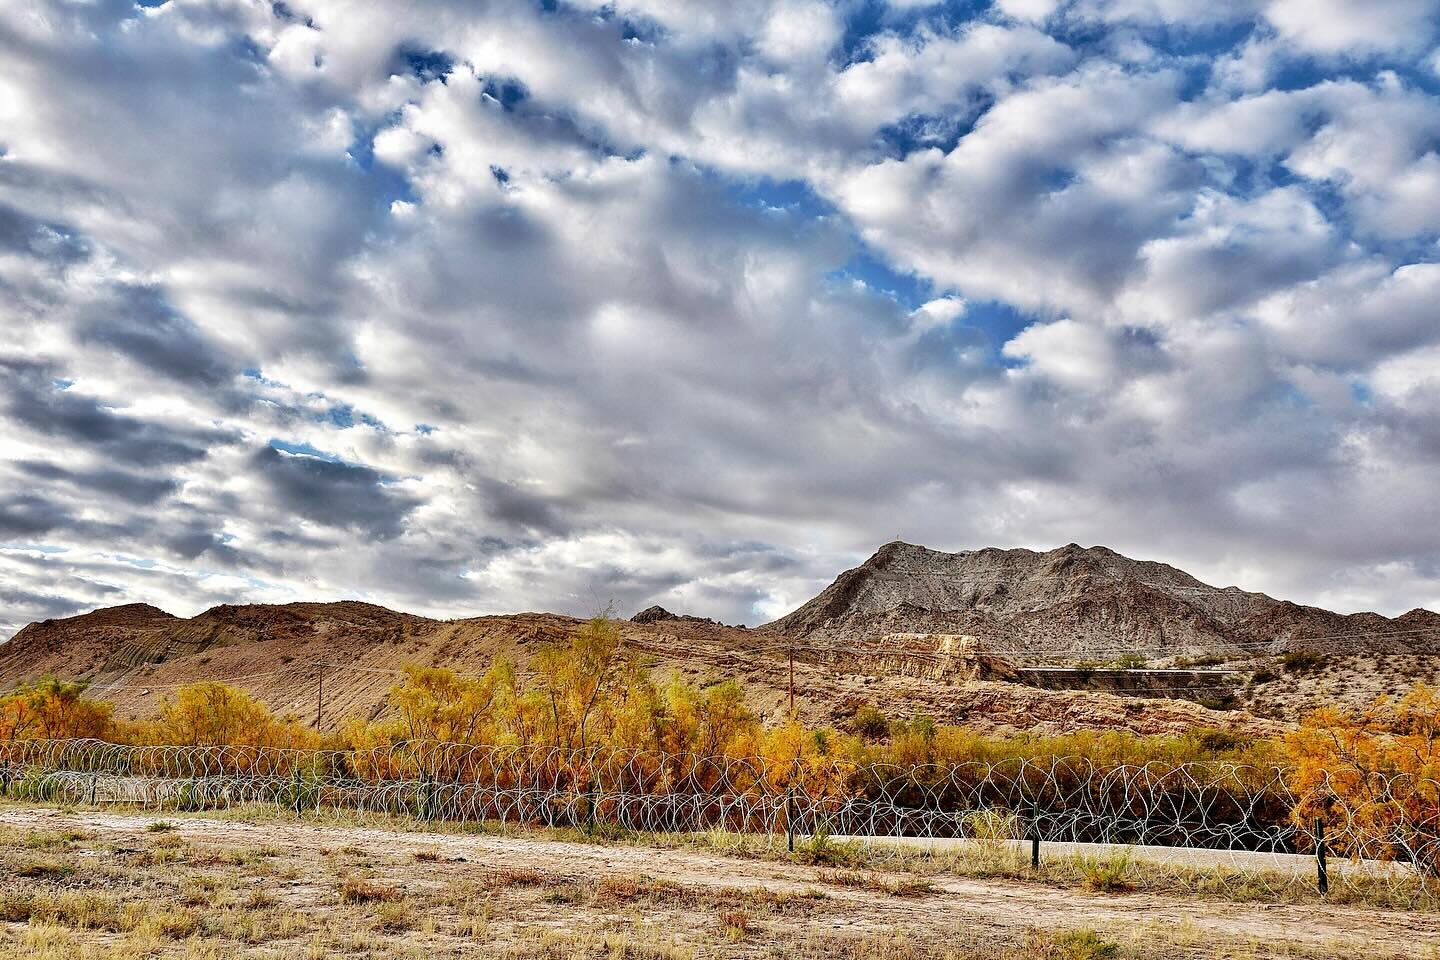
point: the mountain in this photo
(910, 631)
(330, 661)
(1081, 602)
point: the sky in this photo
(474, 307)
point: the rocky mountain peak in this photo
(1071, 599)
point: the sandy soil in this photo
(1005, 907)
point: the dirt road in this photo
(950, 903)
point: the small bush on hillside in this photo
(1219, 701)
(1301, 661)
(1197, 663)
(870, 724)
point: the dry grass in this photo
(116, 897)
(981, 860)
(356, 890)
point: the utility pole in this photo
(792, 678)
(319, 695)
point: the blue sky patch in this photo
(303, 450)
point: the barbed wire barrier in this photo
(1238, 823)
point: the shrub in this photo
(37, 785)
(1301, 661)
(211, 713)
(1107, 873)
(393, 916)
(821, 851)
(991, 825)
(1084, 945)
(870, 723)
(736, 923)
(1217, 701)
(43, 870)
(356, 890)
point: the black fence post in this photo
(1322, 871)
(790, 818)
(590, 807)
(1035, 851)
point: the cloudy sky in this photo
(468, 307)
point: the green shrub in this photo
(1084, 945)
(1301, 661)
(1218, 701)
(1199, 663)
(821, 851)
(870, 723)
(1107, 873)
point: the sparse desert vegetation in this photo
(281, 887)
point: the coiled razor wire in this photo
(1239, 820)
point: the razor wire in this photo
(1248, 818)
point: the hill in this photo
(1081, 602)
(327, 661)
(911, 631)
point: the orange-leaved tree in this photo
(1373, 777)
(53, 709)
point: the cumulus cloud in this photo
(481, 307)
(1355, 27)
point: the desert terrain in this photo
(122, 885)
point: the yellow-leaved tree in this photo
(217, 714)
(574, 685)
(436, 703)
(1373, 777)
(53, 709)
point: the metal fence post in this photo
(1035, 851)
(590, 807)
(790, 818)
(1322, 871)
